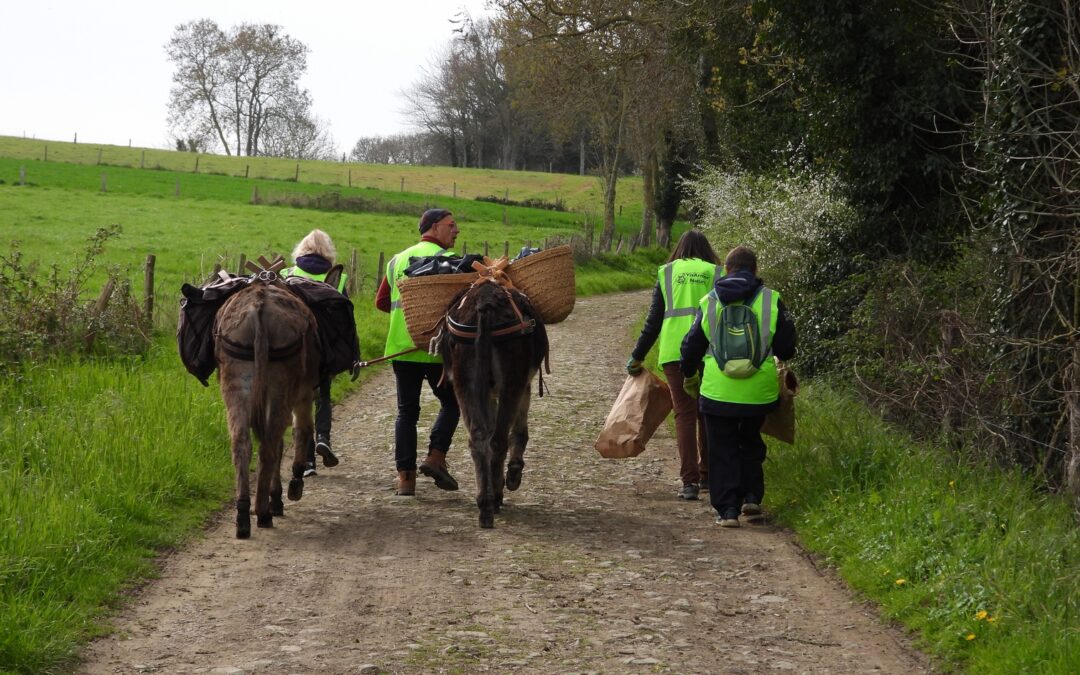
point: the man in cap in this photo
(438, 231)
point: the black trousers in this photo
(736, 456)
(410, 377)
(322, 408)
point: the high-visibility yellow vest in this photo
(683, 283)
(761, 387)
(297, 272)
(397, 336)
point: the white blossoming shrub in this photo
(780, 218)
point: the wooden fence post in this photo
(46, 152)
(506, 249)
(240, 264)
(354, 269)
(402, 184)
(22, 175)
(99, 156)
(196, 164)
(296, 177)
(247, 170)
(505, 222)
(104, 182)
(379, 272)
(142, 160)
(99, 308)
(350, 177)
(255, 194)
(176, 191)
(455, 189)
(148, 291)
(485, 248)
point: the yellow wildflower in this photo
(969, 637)
(901, 582)
(991, 619)
(980, 615)
(952, 483)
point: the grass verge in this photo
(979, 563)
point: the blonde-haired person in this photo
(682, 281)
(313, 258)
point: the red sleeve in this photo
(382, 297)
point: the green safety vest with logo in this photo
(683, 283)
(397, 336)
(761, 387)
(297, 272)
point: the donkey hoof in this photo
(243, 527)
(296, 489)
(513, 476)
(487, 520)
(277, 507)
(265, 521)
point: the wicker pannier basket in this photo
(424, 300)
(547, 278)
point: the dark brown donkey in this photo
(495, 347)
(267, 352)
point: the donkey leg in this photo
(519, 437)
(270, 450)
(303, 439)
(241, 458)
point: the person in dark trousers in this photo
(682, 281)
(438, 231)
(735, 407)
(314, 259)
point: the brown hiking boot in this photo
(435, 467)
(406, 484)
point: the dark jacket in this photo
(731, 288)
(654, 321)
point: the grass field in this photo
(106, 462)
(578, 192)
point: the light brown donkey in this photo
(268, 357)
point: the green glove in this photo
(633, 366)
(692, 385)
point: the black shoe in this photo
(322, 447)
(752, 509)
(728, 517)
(704, 482)
(309, 468)
(689, 492)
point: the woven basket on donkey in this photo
(547, 278)
(424, 300)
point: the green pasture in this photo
(579, 193)
(104, 463)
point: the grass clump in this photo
(976, 560)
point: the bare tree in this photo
(239, 86)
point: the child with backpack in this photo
(728, 353)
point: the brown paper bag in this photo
(642, 405)
(780, 423)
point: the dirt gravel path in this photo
(594, 565)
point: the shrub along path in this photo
(594, 564)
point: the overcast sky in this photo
(99, 68)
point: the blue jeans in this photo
(410, 377)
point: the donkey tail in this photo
(258, 381)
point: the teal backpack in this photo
(738, 341)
